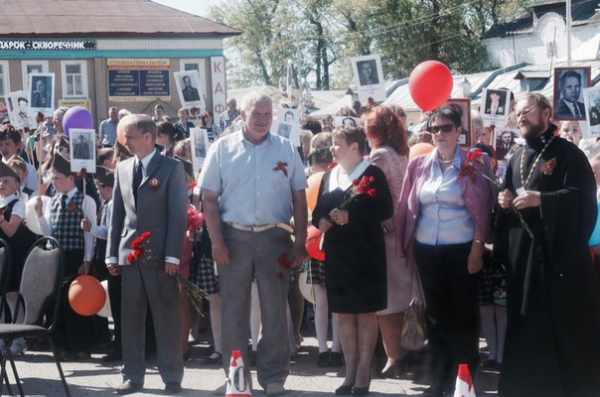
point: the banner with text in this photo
(219, 98)
(131, 80)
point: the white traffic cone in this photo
(237, 384)
(464, 384)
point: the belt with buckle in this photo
(261, 228)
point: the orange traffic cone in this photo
(237, 384)
(464, 384)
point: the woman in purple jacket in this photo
(445, 215)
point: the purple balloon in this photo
(77, 117)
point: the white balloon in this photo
(307, 290)
(105, 311)
(31, 218)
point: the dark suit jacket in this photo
(595, 115)
(190, 94)
(162, 211)
(563, 111)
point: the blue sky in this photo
(198, 7)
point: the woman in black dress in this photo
(355, 262)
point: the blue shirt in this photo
(108, 133)
(443, 217)
(251, 179)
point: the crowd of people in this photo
(508, 259)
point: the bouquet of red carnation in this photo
(362, 186)
(142, 252)
(195, 219)
(468, 169)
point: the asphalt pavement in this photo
(96, 378)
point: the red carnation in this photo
(355, 182)
(139, 253)
(284, 260)
(145, 236)
(372, 192)
(137, 242)
(130, 257)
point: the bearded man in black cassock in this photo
(552, 342)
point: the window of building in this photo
(74, 79)
(4, 79)
(32, 67)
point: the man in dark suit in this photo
(189, 93)
(81, 148)
(568, 106)
(150, 194)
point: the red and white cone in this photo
(464, 384)
(237, 384)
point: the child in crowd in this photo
(19, 166)
(61, 219)
(105, 180)
(18, 237)
(10, 146)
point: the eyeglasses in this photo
(434, 129)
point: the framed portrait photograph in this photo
(495, 106)
(82, 144)
(368, 75)
(41, 93)
(591, 98)
(191, 91)
(569, 83)
(19, 114)
(463, 106)
(288, 124)
(504, 142)
(28, 67)
(200, 144)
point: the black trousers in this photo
(73, 332)
(451, 299)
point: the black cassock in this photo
(552, 342)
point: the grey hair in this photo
(142, 122)
(253, 98)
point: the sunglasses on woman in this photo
(434, 129)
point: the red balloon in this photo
(86, 295)
(313, 240)
(430, 84)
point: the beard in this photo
(531, 130)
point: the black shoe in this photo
(358, 391)
(344, 390)
(172, 387)
(336, 359)
(112, 356)
(215, 358)
(323, 360)
(391, 371)
(433, 391)
(129, 387)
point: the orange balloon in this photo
(120, 135)
(419, 149)
(86, 295)
(312, 191)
